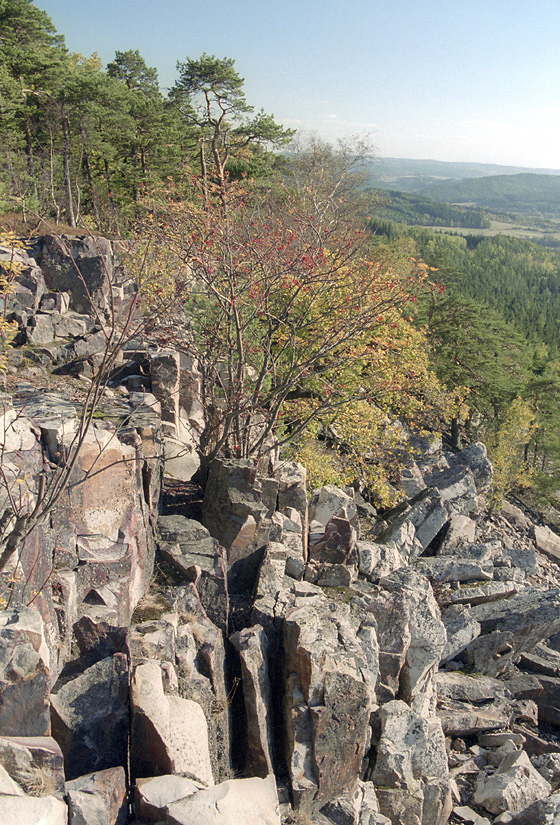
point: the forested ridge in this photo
(526, 193)
(414, 209)
(518, 279)
(327, 322)
(495, 328)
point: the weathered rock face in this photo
(235, 506)
(24, 674)
(169, 734)
(96, 551)
(90, 717)
(328, 699)
(81, 266)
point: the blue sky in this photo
(471, 80)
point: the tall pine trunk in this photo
(70, 216)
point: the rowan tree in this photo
(290, 312)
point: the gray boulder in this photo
(190, 548)
(514, 786)
(153, 795)
(476, 459)
(543, 812)
(169, 733)
(98, 799)
(233, 511)
(328, 694)
(81, 266)
(90, 717)
(30, 810)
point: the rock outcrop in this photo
(263, 659)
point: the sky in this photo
(455, 80)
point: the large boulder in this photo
(153, 794)
(90, 717)
(233, 511)
(475, 458)
(411, 638)
(411, 767)
(514, 625)
(194, 553)
(31, 810)
(514, 786)
(543, 812)
(98, 799)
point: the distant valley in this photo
(409, 175)
(462, 197)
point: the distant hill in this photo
(408, 175)
(418, 210)
(532, 194)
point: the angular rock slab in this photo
(544, 812)
(378, 560)
(411, 767)
(526, 619)
(98, 799)
(165, 374)
(31, 810)
(7, 784)
(233, 511)
(251, 801)
(252, 647)
(411, 750)
(329, 691)
(292, 492)
(475, 458)
(461, 629)
(513, 787)
(330, 501)
(81, 266)
(548, 542)
(400, 806)
(153, 795)
(190, 548)
(112, 522)
(411, 638)
(90, 717)
(169, 734)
